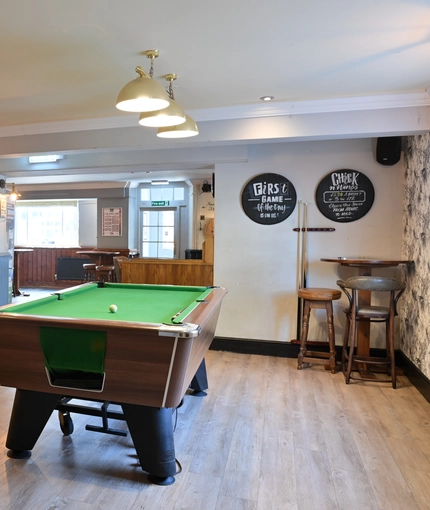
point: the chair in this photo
(355, 313)
(105, 273)
(117, 263)
(318, 298)
(90, 272)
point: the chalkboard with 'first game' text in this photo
(268, 198)
(345, 195)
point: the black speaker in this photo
(388, 150)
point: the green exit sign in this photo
(160, 203)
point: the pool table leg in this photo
(151, 430)
(200, 381)
(30, 413)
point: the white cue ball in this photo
(113, 308)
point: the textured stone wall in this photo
(415, 303)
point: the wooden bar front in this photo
(167, 272)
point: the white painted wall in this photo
(258, 263)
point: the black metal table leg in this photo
(30, 413)
(199, 382)
(151, 430)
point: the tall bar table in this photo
(100, 257)
(365, 268)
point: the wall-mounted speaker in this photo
(388, 150)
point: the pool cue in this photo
(305, 244)
(299, 279)
(299, 246)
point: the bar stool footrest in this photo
(372, 360)
(316, 355)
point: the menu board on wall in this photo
(345, 195)
(268, 198)
(112, 221)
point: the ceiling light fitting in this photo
(267, 98)
(143, 94)
(14, 195)
(157, 108)
(170, 116)
(159, 183)
(47, 158)
(185, 130)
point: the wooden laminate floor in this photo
(266, 437)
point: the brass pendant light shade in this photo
(142, 94)
(170, 116)
(157, 106)
(185, 130)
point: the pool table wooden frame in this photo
(147, 375)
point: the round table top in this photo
(362, 262)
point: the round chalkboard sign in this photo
(345, 195)
(268, 199)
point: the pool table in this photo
(143, 357)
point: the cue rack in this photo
(302, 246)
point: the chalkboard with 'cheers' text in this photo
(345, 195)
(268, 198)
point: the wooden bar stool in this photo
(105, 273)
(318, 298)
(351, 360)
(90, 272)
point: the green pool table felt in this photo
(136, 303)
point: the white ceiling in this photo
(337, 69)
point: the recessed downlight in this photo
(267, 98)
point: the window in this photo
(158, 234)
(164, 193)
(163, 220)
(47, 223)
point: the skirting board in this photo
(291, 350)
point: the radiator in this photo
(70, 268)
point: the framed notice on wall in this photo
(268, 199)
(345, 195)
(111, 221)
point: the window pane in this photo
(47, 223)
(161, 194)
(166, 250)
(166, 234)
(150, 218)
(145, 194)
(150, 250)
(150, 234)
(167, 218)
(178, 194)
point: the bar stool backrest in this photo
(352, 359)
(374, 283)
(117, 261)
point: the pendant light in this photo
(143, 94)
(14, 195)
(183, 130)
(188, 128)
(170, 116)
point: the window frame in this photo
(42, 226)
(181, 211)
